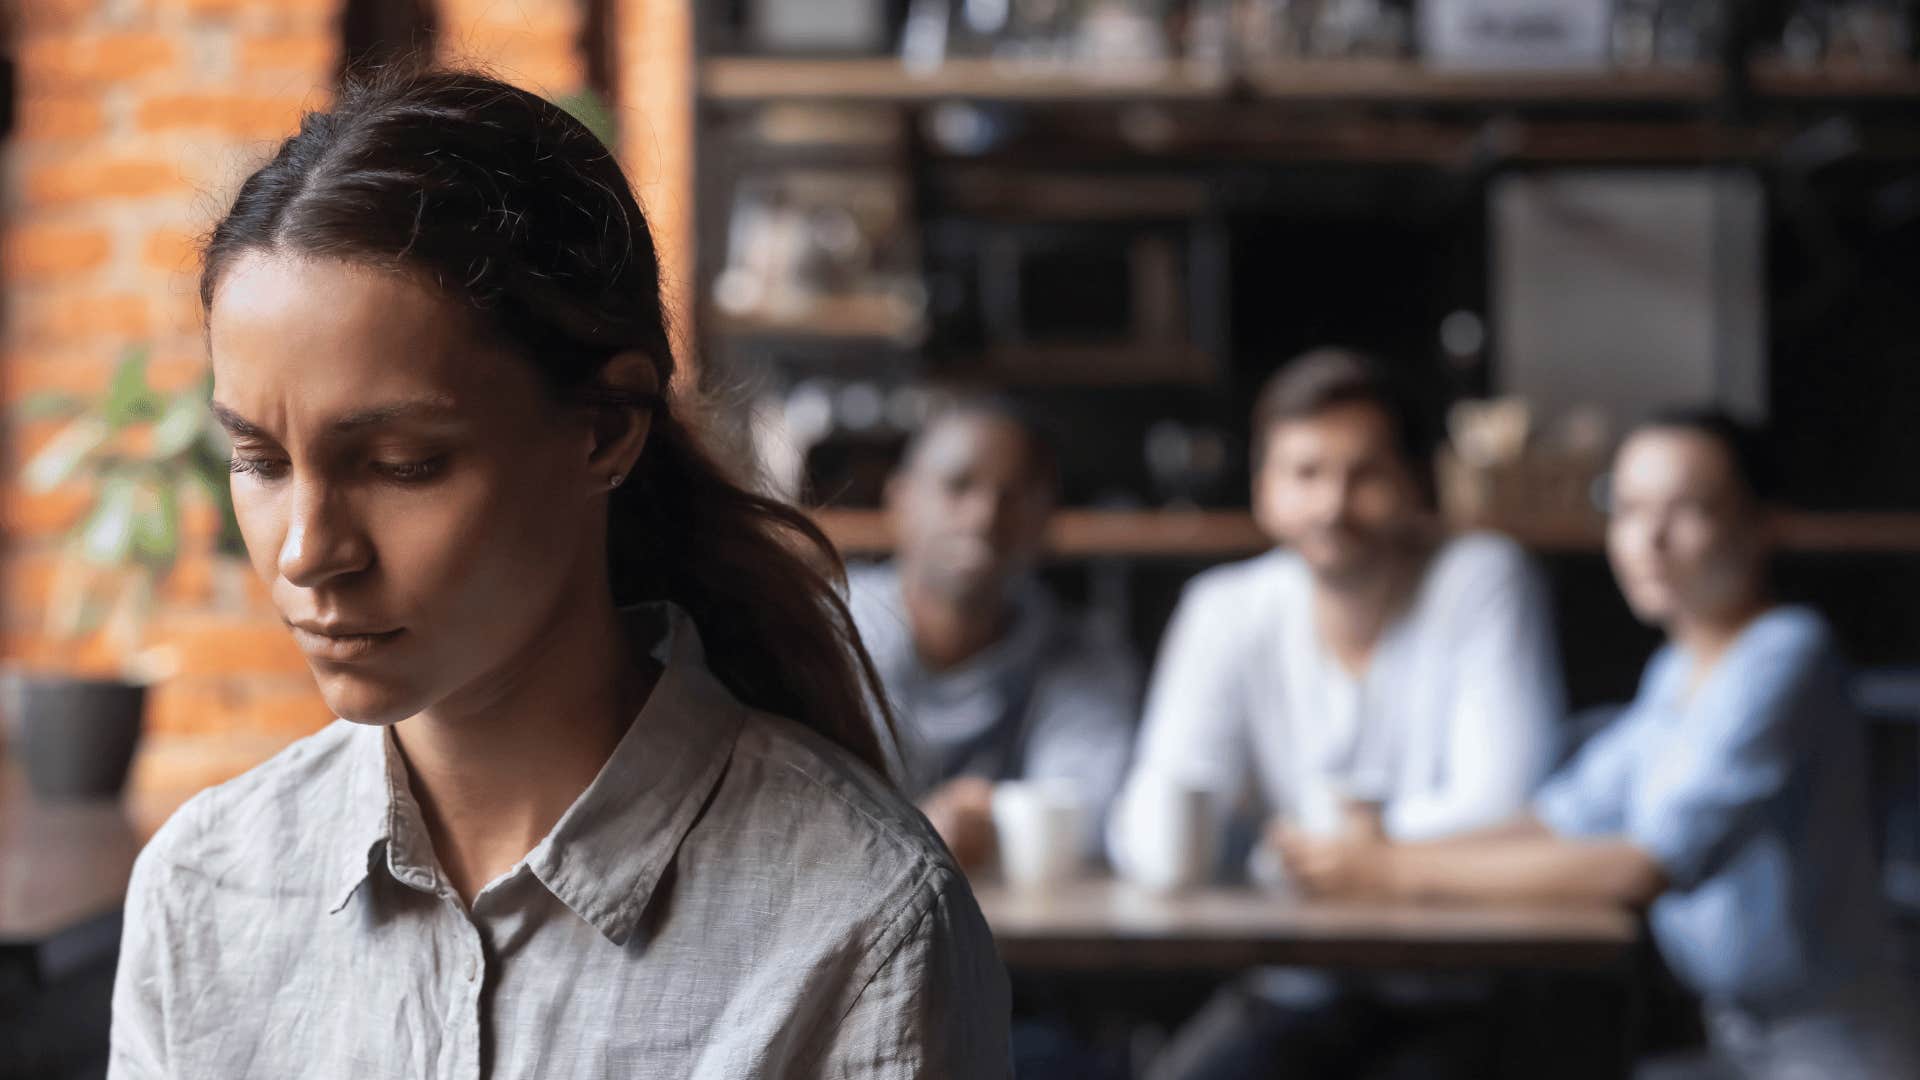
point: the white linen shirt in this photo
(732, 896)
(1450, 727)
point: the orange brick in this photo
(42, 16)
(308, 54)
(233, 114)
(172, 250)
(53, 117)
(212, 7)
(177, 305)
(62, 319)
(169, 769)
(217, 645)
(30, 370)
(92, 178)
(186, 705)
(44, 513)
(94, 59)
(29, 577)
(194, 704)
(51, 252)
(91, 655)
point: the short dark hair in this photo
(1323, 378)
(1042, 449)
(1747, 445)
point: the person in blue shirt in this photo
(1729, 799)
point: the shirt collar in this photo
(608, 852)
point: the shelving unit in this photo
(884, 80)
(1225, 534)
(1384, 113)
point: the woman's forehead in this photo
(1672, 461)
(334, 331)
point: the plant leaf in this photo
(65, 453)
(129, 399)
(587, 106)
(48, 405)
(156, 527)
(106, 537)
(180, 425)
(131, 608)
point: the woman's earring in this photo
(615, 480)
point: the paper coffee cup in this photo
(1041, 828)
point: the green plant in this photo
(594, 112)
(141, 453)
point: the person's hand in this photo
(1356, 863)
(961, 811)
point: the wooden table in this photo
(63, 876)
(1101, 924)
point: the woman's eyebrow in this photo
(427, 408)
(236, 425)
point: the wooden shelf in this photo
(1775, 79)
(885, 80)
(840, 318)
(1225, 534)
(1396, 81)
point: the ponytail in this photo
(759, 579)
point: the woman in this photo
(605, 800)
(1729, 798)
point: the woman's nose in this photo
(322, 540)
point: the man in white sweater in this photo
(1368, 673)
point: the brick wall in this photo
(136, 119)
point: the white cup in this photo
(1041, 826)
(1175, 834)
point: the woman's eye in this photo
(263, 468)
(410, 472)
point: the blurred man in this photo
(992, 680)
(1730, 796)
(1371, 676)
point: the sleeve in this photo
(1083, 727)
(1507, 704)
(138, 1043)
(1751, 725)
(937, 1006)
(1589, 796)
(1197, 711)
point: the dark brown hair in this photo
(1324, 378)
(1748, 449)
(514, 209)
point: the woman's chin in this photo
(366, 702)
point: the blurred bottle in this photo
(1633, 33)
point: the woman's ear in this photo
(620, 426)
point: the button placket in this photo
(463, 1020)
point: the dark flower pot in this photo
(77, 736)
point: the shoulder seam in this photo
(899, 930)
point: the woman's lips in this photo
(342, 648)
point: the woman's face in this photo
(1684, 537)
(419, 508)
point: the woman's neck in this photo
(495, 768)
(1705, 638)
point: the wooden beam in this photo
(657, 63)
